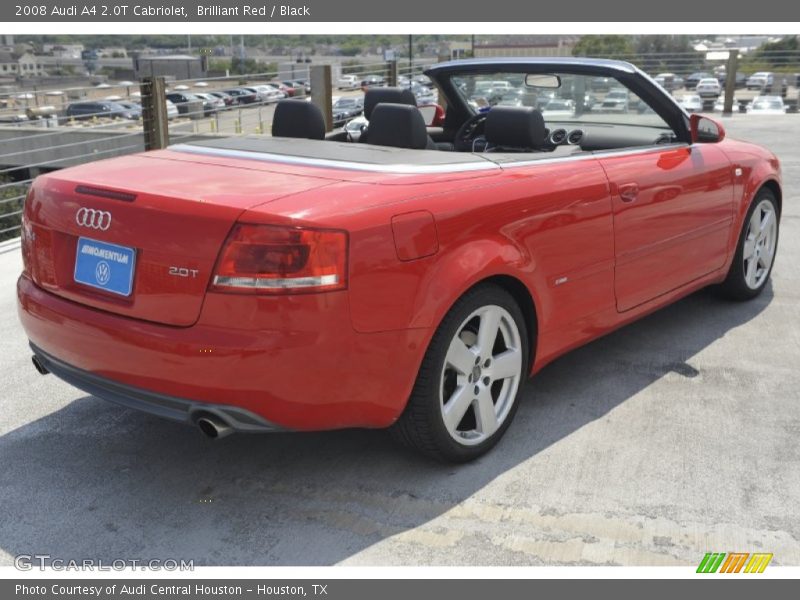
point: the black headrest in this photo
(386, 95)
(515, 127)
(298, 119)
(398, 125)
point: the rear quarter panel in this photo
(549, 225)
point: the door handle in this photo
(628, 192)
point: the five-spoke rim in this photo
(481, 374)
(759, 244)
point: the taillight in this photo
(26, 239)
(278, 259)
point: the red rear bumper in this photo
(294, 361)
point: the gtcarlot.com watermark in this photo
(42, 562)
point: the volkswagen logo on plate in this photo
(102, 272)
(94, 219)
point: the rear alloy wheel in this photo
(467, 390)
(755, 252)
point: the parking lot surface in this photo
(674, 436)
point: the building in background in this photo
(555, 46)
(14, 64)
(175, 66)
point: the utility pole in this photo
(410, 54)
(730, 82)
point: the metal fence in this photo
(41, 130)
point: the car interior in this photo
(536, 114)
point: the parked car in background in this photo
(345, 109)
(188, 103)
(739, 83)
(226, 98)
(423, 80)
(708, 88)
(134, 109)
(267, 93)
(737, 106)
(669, 81)
(691, 103)
(767, 105)
(559, 108)
(373, 81)
(302, 84)
(692, 80)
(759, 80)
(615, 101)
(105, 109)
(242, 95)
(211, 103)
(422, 93)
(286, 88)
(354, 127)
(348, 82)
(172, 110)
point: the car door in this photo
(673, 210)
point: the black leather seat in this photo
(514, 129)
(298, 119)
(384, 95)
(399, 126)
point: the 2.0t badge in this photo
(94, 219)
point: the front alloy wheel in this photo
(468, 386)
(755, 252)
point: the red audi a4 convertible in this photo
(411, 280)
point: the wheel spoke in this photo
(766, 223)
(485, 413)
(750, 272)
(749, 248)
(506, 365)
(453, 411)
(755, 223)
(460, 357)
(487, 332)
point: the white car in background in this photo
(759, 80)
(268, 93)
(348, 82)
(354, 127)
(172, 110)
(767, 105)
(211, 103)
(708, 88)
(691, 102)
(719, 105)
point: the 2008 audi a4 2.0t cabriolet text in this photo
(411, 280)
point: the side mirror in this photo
(433, 114)
(705, 130)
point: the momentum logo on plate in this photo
(105, 266)
(734, 562)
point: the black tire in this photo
(421, 426)
(735, 285)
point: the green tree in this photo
(604, 46)
(783, 53)
(12, 198)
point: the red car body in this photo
(559, 234)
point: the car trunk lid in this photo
(164, 220)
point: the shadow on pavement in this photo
(96, 480)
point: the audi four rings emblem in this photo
(95, 219)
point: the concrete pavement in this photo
(674, 436)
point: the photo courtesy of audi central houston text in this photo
(529, 272)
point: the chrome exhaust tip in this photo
(213, 427)
(38, 365)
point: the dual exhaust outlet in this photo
(209, 425)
